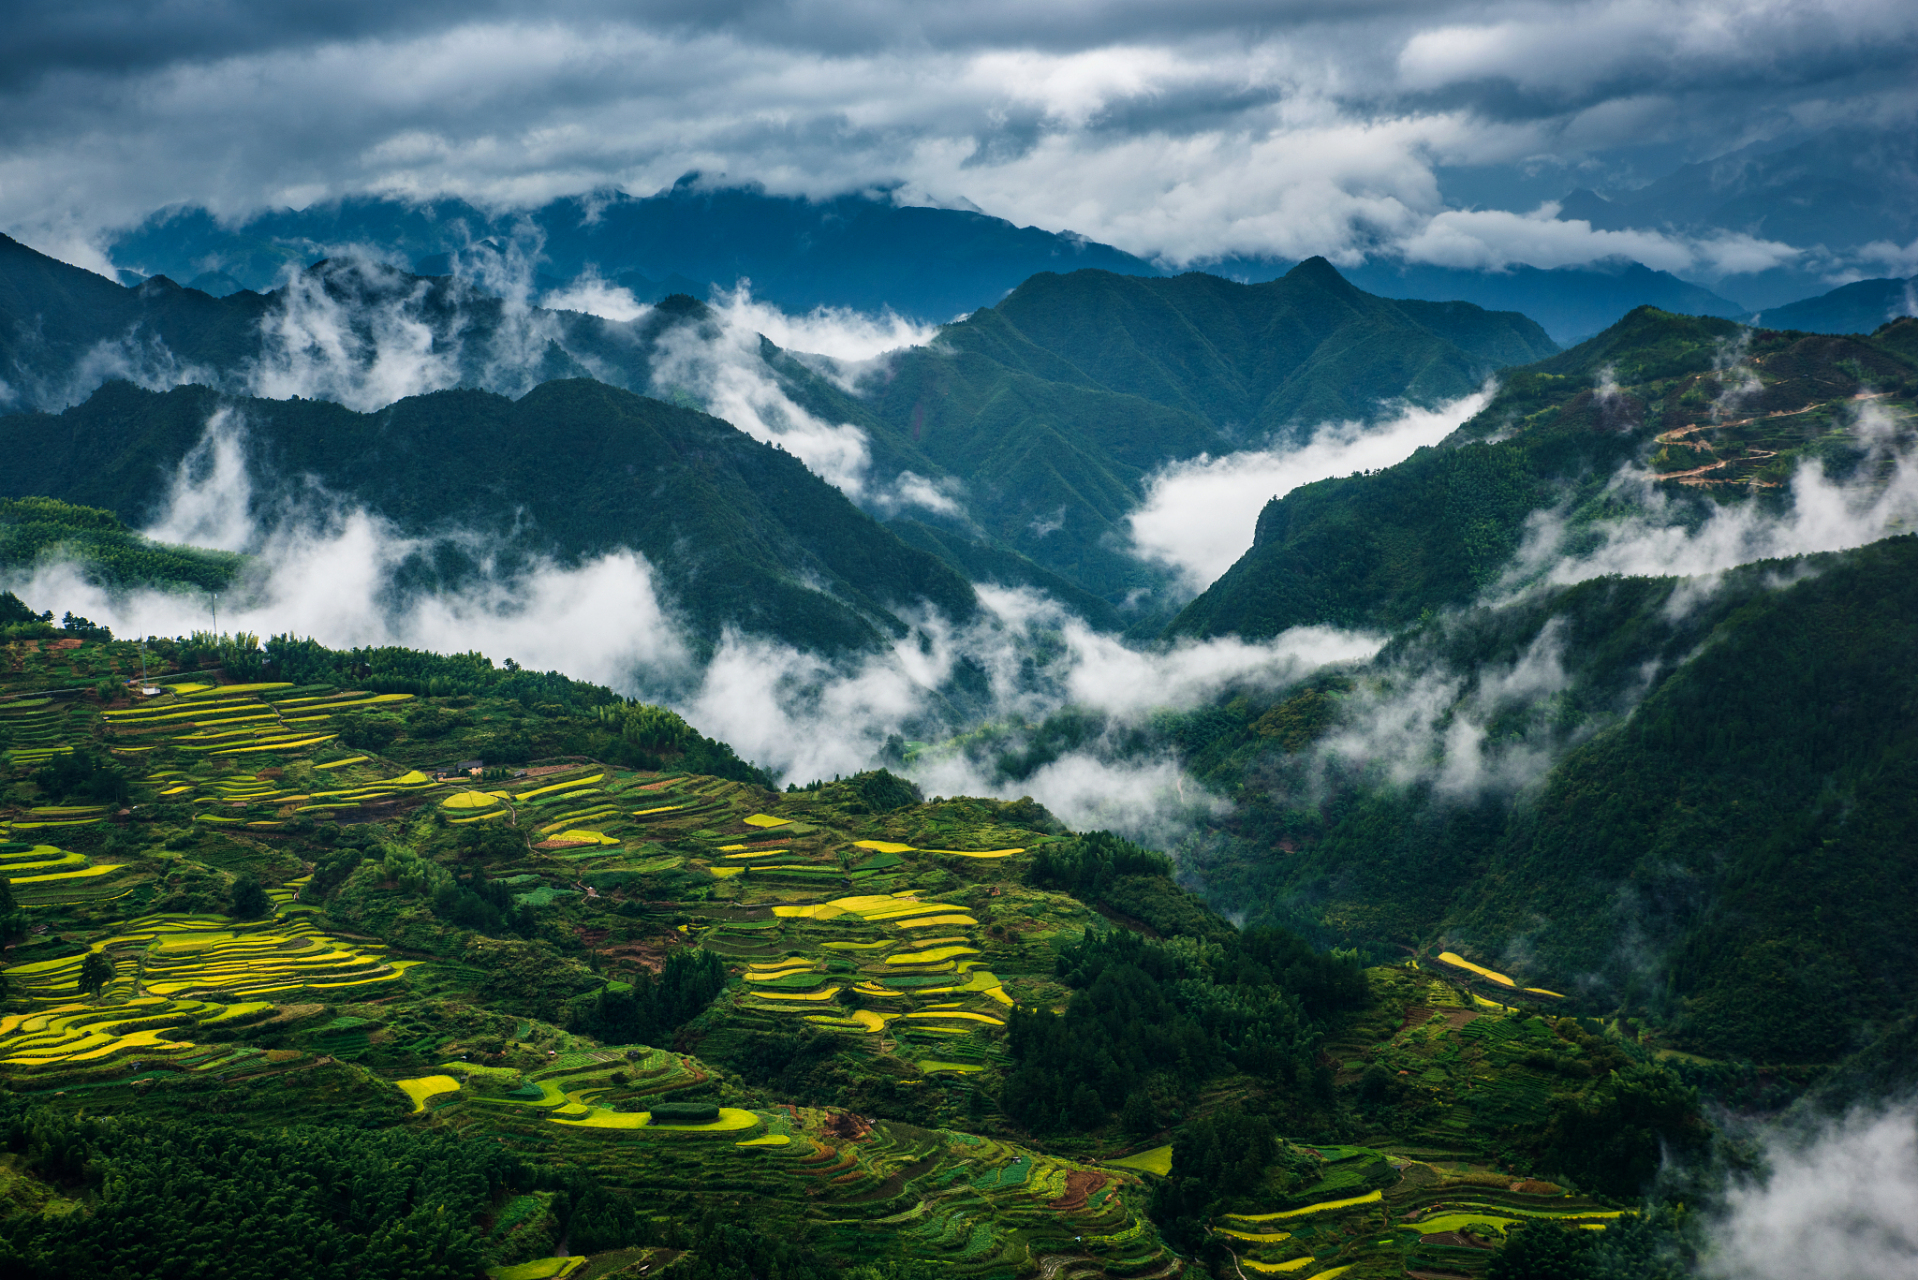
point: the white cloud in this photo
(1835, 1204)
(1492, 239)
(1198, 516)
(1214, 131)
(595, 297)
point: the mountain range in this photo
(1044, 415)
(1599, 831)
(871, 253)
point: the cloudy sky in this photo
(1185, 130)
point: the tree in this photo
(1543, 1251)
(96, 971)
(249, 899)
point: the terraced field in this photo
(430, 944)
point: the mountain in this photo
(1053, 407)
(1378, 550)
(615, 1006)
(1569, 303)
(1046, 412)
(1713, 771)
(860, 251)
(1843, 188)
(1858, 307)
(740, 533)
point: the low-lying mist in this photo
(1834, 1202)
(951, 703)
(1198, 515)
(326, 569)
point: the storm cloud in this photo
(1189, 133)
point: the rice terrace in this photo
(317, 900)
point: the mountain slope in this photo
(1731, 826)
(1254, 359)
(1055, 406)
(1686, 801)
(1374, 551)
(442, 1025)
(740, 533)
(1858, 307)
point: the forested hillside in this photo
(573, 469)
(1056, 404)
(1716, 413)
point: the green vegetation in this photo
(290, 945)
(36, 530)
(594, 470)
(1061, 399)
(1379, 550)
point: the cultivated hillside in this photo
(597, 992)
(1715, 412)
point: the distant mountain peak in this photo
(1319, 271)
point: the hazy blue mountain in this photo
(1569, 303)
(1858, 307)
(853, 251)
(1844, 188)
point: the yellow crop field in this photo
(958, 1013)
(1278, 1268)
(277, 746)
(560, 786)
(667, 808)
(469, 800)
(1270, 1237)
(731, 1120)
(978, 853)
(538, 1269)
(1369, 1197)
(84, 873)
(933, 956)
(899, 911)
(782, 973)
(1460, 962)
(882, 846)
(767, 820)
(871, 1021)
(767, 1140)
(764, 853)
(585, 837)
(921, 923)
(810, 997)
(341, 764)
(425, 1087)
(41, 857)
(1158, 1160)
